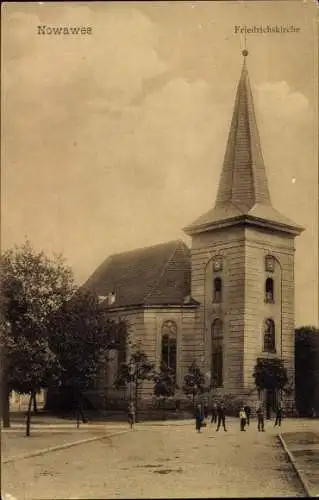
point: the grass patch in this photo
(301, 438)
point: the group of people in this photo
(219, 417)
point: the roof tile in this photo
(155, 275)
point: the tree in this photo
(33, 288)
(164, 385)
(81, 333)
(194, 382)
(5, 391)
(306, 368)
(270, 373)
(136, 370)
(33, 366)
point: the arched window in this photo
(269, 336)
(217, 353)
(169, 345)
(269, 290)
(217, 291)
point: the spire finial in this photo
(244, 45)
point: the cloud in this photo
(115, 59)
(280, 100)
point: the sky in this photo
(115, 140)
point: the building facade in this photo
(228, 300)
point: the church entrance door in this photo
(271, 402)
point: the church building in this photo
(226, 301)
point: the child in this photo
(242, 418)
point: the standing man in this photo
(214, 414)
(131, 414)
(221, 416)
(199, 417)
(205, 411)
(248, 413)
(279, 412)
(260, 417)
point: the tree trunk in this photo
(4, 391)
(164, 409)
(29, 414)
(5, 404)
(35, 408)
(136, 398)
(78, 411)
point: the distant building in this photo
(230, 298)
(20, 402)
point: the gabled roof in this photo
(243, 191)
(156, 275)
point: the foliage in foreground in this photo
(194, 382)
(270, 373)
(34, 287)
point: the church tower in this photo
(242, 264)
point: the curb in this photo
(60, 447)
(292, 460)
(63, 428)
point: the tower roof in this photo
(243, 192)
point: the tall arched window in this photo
(217, 290)
(269, 336)
(217, 353)
(169, 345)
(269, 290)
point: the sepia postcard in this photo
(159, 249)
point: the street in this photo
(153, 461)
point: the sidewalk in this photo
(303, 450)
(55, 423)
(16, 446)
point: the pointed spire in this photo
(243, 192)
(243, 180)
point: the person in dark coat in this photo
(260, 417)
(131, 414)
(199, 417)
(214, 414)
(205, 411)
(221, 416)
(279, 412)
(248, 413)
